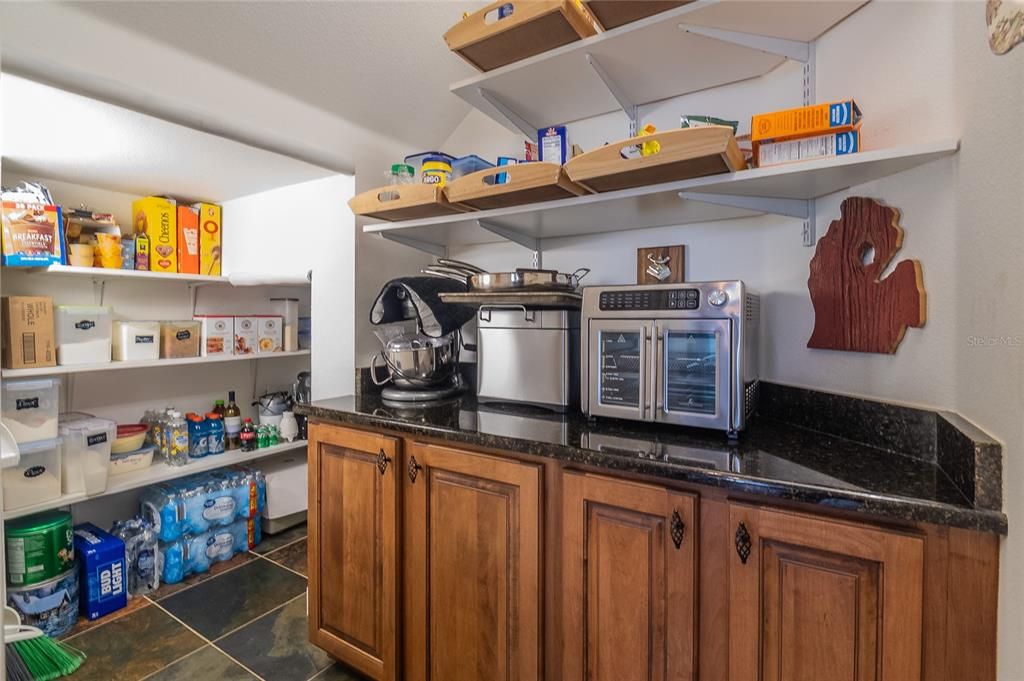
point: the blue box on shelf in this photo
(103, 588)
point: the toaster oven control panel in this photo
(661, 299)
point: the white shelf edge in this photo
(110, 274)
(118, 366)
(158, 472)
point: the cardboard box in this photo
(33, 234)
(103, 574)
(553, 144)
(805, 121)
(218, 335)
(28, 336)
(808, 148)
(246, 334)
(269, 334)
(188, 239)
(142, 252)
(211, 231)
(156, 217)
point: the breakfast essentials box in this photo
(28, 333)
(269, 334)
(188, 239)
(808, 148)
(246, 335)
(211, 230)
(217, 333)
(156, 217)
(32, 234)
(816, 119)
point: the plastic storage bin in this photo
(132, 461)
(83, 334)
(464, 165)
(85, 462)
(136, 341)
(36, 478)
(179, 339)
(30, 409)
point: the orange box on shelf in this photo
(188, 240)
(211, 230)
(816, 119)
(156, 217)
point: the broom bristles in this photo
(46, 659)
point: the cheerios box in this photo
(156, 217)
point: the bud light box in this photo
(103, 588)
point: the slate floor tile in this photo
(83, 625)
(205, 663)
(272, 542)
(166, 590)
(292, 556)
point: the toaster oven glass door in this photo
(692, 367)
(619, 368)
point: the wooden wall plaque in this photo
(855, 309)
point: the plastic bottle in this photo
(272, 435)
(218, 408)
(262, 438)
(176, 439)
(214, 433)
(247, 436)
(232, 423)
(198, 437)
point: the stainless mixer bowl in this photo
(417, 361)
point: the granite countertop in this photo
(772, 457)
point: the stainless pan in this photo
(537, 280)
(459, 265)
(447, 273)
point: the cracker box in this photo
(816, 119)
(218, 334)
(188, 239)
(103, 586)
(211, 230)
(246, 335)
(28, 336)
(808, 148)
(33, 234)
(553, 144)
(269, 334)
(156, 217)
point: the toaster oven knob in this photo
(718, 297)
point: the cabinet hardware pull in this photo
(743, 544)
(414, 469)
(382, 461)
(678, 527)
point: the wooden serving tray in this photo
(412, 201)
(549, 299)
(534, 26)
(526, 183)
(614, 13)
(684, 153)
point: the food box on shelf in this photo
(179, 339)
(36, 477)
(804, 121)
(188, 239)
(509, 30)
(30, 408)
(218, 335)
(156, 217)
(614, 13)
(136, 341)
(83, 334)
(269, 334)
(28, 338)
(211, 237)
(103, 573)
(524, 183)
(680, 155)
(246, 335)
(32, 229)
(808, 148)
(403, 202)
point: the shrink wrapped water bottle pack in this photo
(141, 554)
(195, 553)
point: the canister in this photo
(436, 170)
(39, 547)
(52, 605)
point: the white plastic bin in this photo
(83, 334)
(136, 341)
(36, 478)
(30, 409)
(85, 462)
(132, 461)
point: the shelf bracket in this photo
(790, 49)
(631, 109)
(811, 224)
(528, 242)
(794, 208)
(99, 289)
(512, 119)
(810, 77)
(436, 250)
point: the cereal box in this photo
(32, 234)
(210, 237)
(815, 119)
(156, 217)
(269, 334)
(808, 148)
(245, 335)
(218, 334)
(188, 240)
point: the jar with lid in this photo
(399, 174)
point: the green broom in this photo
(30, 655)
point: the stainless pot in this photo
(416, 360)
(520, 280)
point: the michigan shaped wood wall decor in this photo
(854, 309)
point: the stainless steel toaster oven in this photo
(683, 354)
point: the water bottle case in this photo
(197, 503)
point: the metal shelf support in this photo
(528, 242)
(512, 119)
(794, 208)
(629, 107)
(436, 250)
(790, 49)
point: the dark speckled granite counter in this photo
(773, 457)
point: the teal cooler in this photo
(103, 587)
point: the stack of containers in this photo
(42, 576)
(85, 462)
(29, 410)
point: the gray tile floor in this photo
(243, 620)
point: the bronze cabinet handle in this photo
(743, 544)
(414, 469)
(382, 461)
(678, 528)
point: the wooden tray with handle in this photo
(683, 154)
(525, 183)
(614, 13)
(532, 27)
(404, 202)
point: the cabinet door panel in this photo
(473, 567)
(629, 591)
(352, 538)
(818, 599)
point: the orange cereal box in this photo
(210, 238)
(188, 240)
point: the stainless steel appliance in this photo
(416, 361)
(683, 354)
(528, 355)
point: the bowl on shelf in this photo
(130, 437)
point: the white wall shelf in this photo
(158, 472)
(149, 364)
(784, 190)
(701, 45)
(108, 274)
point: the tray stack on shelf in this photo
(614, 13)
(524, 183)
(403, 202)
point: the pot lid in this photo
(415, 341)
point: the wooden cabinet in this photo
(820, 599)
(628, 574)
(353, 532)
(472, 577)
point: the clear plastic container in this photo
(36, 478)
(83, 334)
(464, 165)
(136, 341)
(416, 160)
(132, 461)
(30, 409)
(85, 463)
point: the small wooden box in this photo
(532, 27)
(403, 202)
(614, 13)
(684, 154)
(526, 183)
